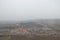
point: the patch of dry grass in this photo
(16, 37)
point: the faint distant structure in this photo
(17, 25)
(46, 28)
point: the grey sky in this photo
(29, 9)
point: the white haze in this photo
(29, 9)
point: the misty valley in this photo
(42, 29)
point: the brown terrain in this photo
(34, 34)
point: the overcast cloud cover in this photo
(29, 9)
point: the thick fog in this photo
(29, 9)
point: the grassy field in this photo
(34, 38)
(3, 37)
